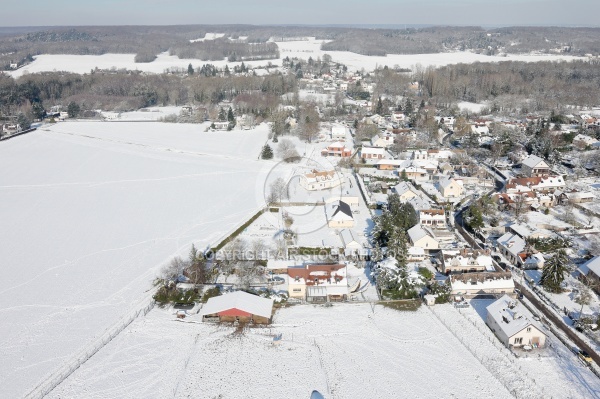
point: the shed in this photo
(238, 306)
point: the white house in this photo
(352, 246)
(471, 285)
(582, 140)
(513, 324)
(338, 133)
(405, 191)
(465, 260)
(339, 215)
(512, 247)
(449, 188)
(318, 283)
(422, 237)
(372, 152)
(534, 166)
(434, 218)
(316, 180)
(382, 140)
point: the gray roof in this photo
(532, 161)
(592, 265)
(417, 232)
(511, 316)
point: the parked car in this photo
(583, 355)
(276, 280)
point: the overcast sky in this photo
(259, 12)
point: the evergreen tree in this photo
(222, 117)
(23, 121)
(73, 109)
(38, 110)
(554, 271)
(379, 108)
(230, 116)
(267, 152)
(190, 70)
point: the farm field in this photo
(302, 49)
(91, 211)
(344, 351)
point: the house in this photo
(389, 164)
(338, 133)
(11, 128)
(324, 180)
(351, 245)
(405, 191)
(420, 155)
(575, 197)
(385, 140)
(337, 149)
(590, 271)
(220, 125)
(582, 141)
(542, 184)
(238, 306)
(372, 152)
(339, 215)
(480, 128)
(318, 283)
(534, 262)
(534, 166)
(472, 285)
(416, 254)
(512, 247)
(414, 174)
(465, 260)
(513, 324)
(434, 218)
(422, 237)
(449, 188)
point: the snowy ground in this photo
(145, 114)
(91, 211)
(301, 49)
(346, 351)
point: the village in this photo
(379, 211)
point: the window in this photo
(297, 289)
(528, 329)
(518, 341)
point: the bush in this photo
(426, 273)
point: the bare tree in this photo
(278, 191)
(173, 269)
(286, 150)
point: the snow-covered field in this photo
(346, 351)
(301, 49)
(91, 211)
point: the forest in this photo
(245, 42)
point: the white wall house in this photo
(324, 180)
(513, 324)
(534, 166)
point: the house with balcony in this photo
(534, 166)
(318, 282)
(465, 260)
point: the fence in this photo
(17, 134)
(505, 365)
(55, 378)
